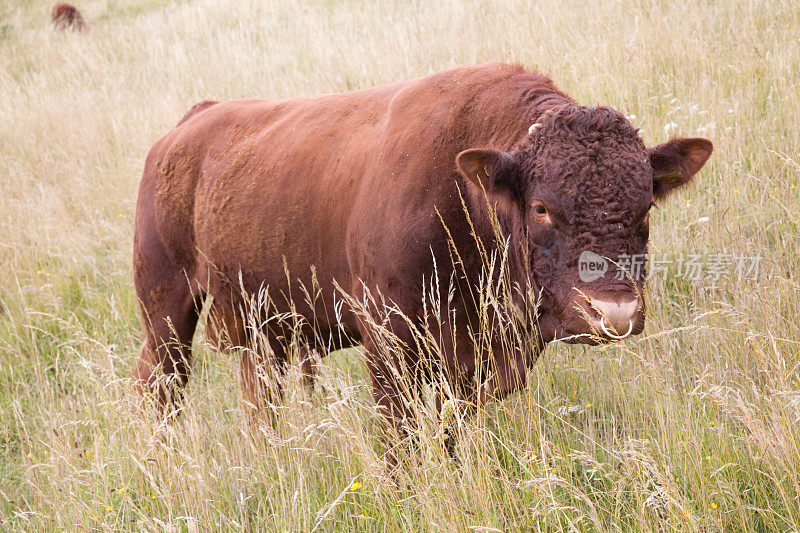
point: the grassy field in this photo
(695, 425)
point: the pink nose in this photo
(616, 317)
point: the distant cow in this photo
(66, 17)
(387, 193)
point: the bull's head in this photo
(576, 193)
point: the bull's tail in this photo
(196, 108)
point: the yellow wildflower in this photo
(713, 506)
(355, 486)
(588, 405)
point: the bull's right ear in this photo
(494, 171)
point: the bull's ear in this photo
(494, 171)
(676, 162)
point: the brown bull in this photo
(391, 191)
(66, 17)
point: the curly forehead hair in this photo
(588, 123)
(573, 132)
(597, 162)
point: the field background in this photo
(693, 426)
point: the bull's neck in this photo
(547, 101)
(514, 127)
(540, 104)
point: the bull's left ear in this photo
(494, 171)
(676, 162)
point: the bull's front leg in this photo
(506, 373)
(395, 390)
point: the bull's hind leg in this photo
(170, 312)
(263, 371)
(169, 301)
(309, 359)
(264, 356)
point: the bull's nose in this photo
(616, 317)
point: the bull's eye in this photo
(540, 213)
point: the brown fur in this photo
(66, 17)
(349, 189)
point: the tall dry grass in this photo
(692, 426)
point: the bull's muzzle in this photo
(616, 318)
(596, 317)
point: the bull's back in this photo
(250, 189)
